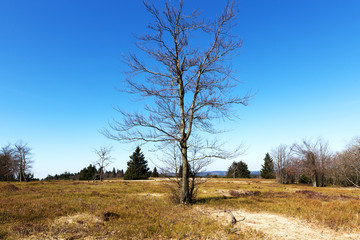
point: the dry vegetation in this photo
(143, 209)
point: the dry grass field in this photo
(144, 210)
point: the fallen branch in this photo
(233, 219)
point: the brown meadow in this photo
(143, 209)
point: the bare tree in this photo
(346, 165)
(315, 157)
(23, 160)
(198, 160)
(190, 85)
(8, 167)
(104, 159)
(283, 164)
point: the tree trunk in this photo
(20, 172)
(185, 196)
(314, 179)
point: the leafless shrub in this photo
(235, 193)
(104, 159)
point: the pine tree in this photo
(238, 170)
(88, 173)
(267, 170)
(243, 171)
(137, 166)
(155, 173)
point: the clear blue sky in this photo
(60, 66)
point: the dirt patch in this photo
(78, 221)
(9, 188)
(277, 226)
(151, 194)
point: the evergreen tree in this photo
(243, 170)
(88, 173)
(155, 173)
(267, 170)
(137, 166)
(238, 170)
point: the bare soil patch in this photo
(80, 220)
(152, 194)
(277, 226)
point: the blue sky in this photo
(60, 67)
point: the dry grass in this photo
(334, 207)
(108, 210)
(142, 209)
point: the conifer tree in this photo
(267, 170)
(238, 170)
(243, 171)
(88, 173)
(155, 173)
(137, 166)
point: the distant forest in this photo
(88, 173)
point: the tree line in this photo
(88, 173)
(137, 168)
(313, 162)
(240, 169)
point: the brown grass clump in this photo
(312, 194)
(9, 188)
(110, 216)
(235, 193)
(95, 193)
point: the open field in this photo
(143, 209)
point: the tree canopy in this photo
(137, 166)
(267, 170)
(190, 84)
(238, 170)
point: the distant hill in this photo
(219, 173)
(223, 173)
